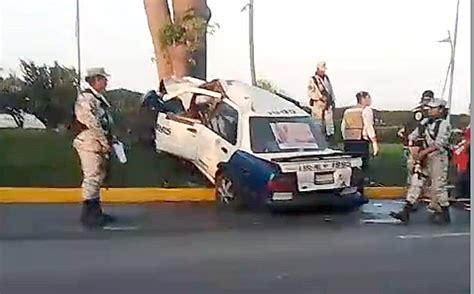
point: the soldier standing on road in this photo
(93, 143)
(419, 118)
(436, 135)
(322, 99)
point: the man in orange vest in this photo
(357, 128)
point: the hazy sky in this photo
(388, 47)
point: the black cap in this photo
(428, 94)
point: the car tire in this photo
(226, 193)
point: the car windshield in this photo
(285, 134)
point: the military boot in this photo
(446, 215)
(443, 217)
(92, 215)
(404, 214)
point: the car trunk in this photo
(323, 171)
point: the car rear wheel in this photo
(226, 193)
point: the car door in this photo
(218, 138)
(177, 135)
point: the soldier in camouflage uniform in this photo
(435, 170)
(419, 118)
(92, 125)
(322, 99)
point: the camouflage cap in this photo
(321, 65)
(96, 71)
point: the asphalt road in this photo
(193, 248)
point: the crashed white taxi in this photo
(255, 146)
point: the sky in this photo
(388, 47)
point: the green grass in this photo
(47, 159)
(389, 166)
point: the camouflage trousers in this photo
(93, 173)
(409, 159)
(325, 116)
(435, 183)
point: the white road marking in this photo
(110, 228)
(432, 236)
(381, 221)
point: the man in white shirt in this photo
(357, 128)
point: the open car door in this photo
(177, 135)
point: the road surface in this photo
(193, 248)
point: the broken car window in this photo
(224, 122)
(285, 134)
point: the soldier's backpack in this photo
(75, 127)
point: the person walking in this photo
(93, 143)
(434, 169)
(420, 116)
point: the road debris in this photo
(381, 221)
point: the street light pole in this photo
(453, 54)
(448, 70)
(251, 43)
(252, 54)
(78, 39)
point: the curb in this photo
(143, 195)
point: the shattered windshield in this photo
(285, 134)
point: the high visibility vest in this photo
(354, 123)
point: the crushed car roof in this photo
(262, 102)
(254, 100)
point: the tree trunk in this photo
(180, 60)
(158, 15)
(180, 8)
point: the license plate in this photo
(323, 179)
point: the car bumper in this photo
(320, 198)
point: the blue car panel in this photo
(251, 174)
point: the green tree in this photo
(50, 91)
(10, 90)
(268, 86)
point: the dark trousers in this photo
(360, 148)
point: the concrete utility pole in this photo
(251, 43)
(78, 38)
(453, 46)
(450, 70)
